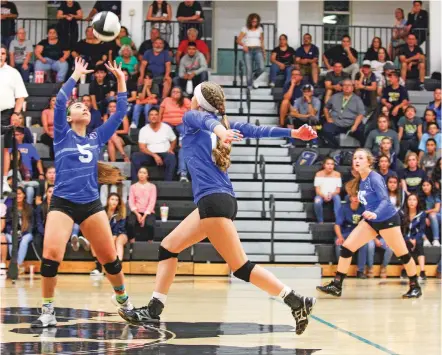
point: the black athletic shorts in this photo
(79, 212)
(392, 222)
(218, 205)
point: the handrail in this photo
(272, 209)
(241, 79)
(262, 170)
(235, 59)
(255, 174)
(249, 103)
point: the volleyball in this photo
(106, 26)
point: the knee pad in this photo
(404, 259)
(49, 268)
(346, 253)
(164, 254)
(243, 273)
(114, 267)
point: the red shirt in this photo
(200, 45)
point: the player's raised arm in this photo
(252, 131)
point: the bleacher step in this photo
(277, 195)
(270, 186)
(263, 226)
(279, 215)
(280, 248)
(271, 120)
(270, 168)
(281, 206)
(269, 159)
(266, 151)
(249, 176)
(277, 236)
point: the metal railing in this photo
(241, 80)
(272, 209)
(262, 170)
(255, 174)
(249, 103)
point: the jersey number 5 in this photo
(86, 156)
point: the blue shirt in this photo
(311, 54)
(416, 228)
(207, 178)
(423, 142)
(157, 63)
(430, 201)
(348, 219)
(76, 157)
(374, 196)
(28, 155)
(117, 226)
(438, 112)
(297, 91)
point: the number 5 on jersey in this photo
(87, 155)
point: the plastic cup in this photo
(28, 121)
(83, 79)
(164, 211)
(34, 135)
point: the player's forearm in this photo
(252, 131)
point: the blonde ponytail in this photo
(109, 175)
(352, 187)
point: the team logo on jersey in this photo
(361, 197)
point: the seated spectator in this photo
(116, 213)
(412, 177)
(428, 161)
(19, 121)
(347, 219)
(399, 33)
(333, 81)
(344, 113)
(328, 185)
(386, 148)
(45, 184)
(436, 176)
(189, 14)
(193, 66)
(380, 243)
(123, 39)
(52, 54)
(148, 44)
(366, 87)
(432, 210)
(417, 22)
(142, 200)
(384, 167)
(375, 137)
(158, 62)
(25, 227)
(395, 97)
(413, 229)
(20, 54)
(410, 132)
(127, 59)
(344, 54)
(157, 144)
(377, 65)
(307, 57)
(201, 46)
(429, 116)
(283, 61)
(292, 91)
(395, 192)
(373, 51)
(101, 89)
(96, 120)
(147, 98)
(132, 91)
(436, 105)
(68, 13)
(432, 132)
(47, 120)
(120, 138)
(412, 60)
(160, 14)
(384, 81)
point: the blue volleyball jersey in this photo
(197, 147)
(374, 196)
(76, 157)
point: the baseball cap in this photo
(307, 87)
(366, 63)
(389, 66)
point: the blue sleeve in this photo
(33, 153)
(146, 56)
(198, 120)
(298, 52)
(286, 87)
(340, 217)
(252, 131)
(122, 226)
(107, 129)
(315, 51)
(61, 126)
(423, 142)
(381, 193)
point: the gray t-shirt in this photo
(375, 137)
(335, 79)
(344, 112)
(303, 108)
(20, 50)
(428, 163)
(410, 127)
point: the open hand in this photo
(115, 69)
(369, 215)
(81, 67)
(305, 133)
(231, 135)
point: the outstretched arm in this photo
(251, 131)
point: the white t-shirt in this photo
(11, 88)
(252, 37)
(378, 68)
(159, 141)
(327, 184)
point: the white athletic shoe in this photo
(74, 243)
(96, 272)
(46, 319)
(128, 306)
(272, 85)
(84, 243)
(133, 126)
(436, 243)
(255, 85)
(427, 243)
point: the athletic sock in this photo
(284, 292)
(339, 279)
(98, 266)
(48, 302)
(413, 281)
(120, 294)
(160, 296)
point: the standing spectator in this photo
(283, 61)
(344, 113)
(192, 37)
(328, 185)
(384, 167)
(189, 14)
(432, 132)
(376, 136)
(157, 143)
(127, 59)
(344, 54)
(428, 161)
(120, 138)
(412, 60)
(47, 120)
(333, 80)
(20, 54)
(68, 13)
(395, 97)
(99, 6)
(251, 38)
(436, 105)
(410, 132)
(148, 44)
(399, 33)
(432, 210)
(193, 66)
(384, 81)
(292, 91)
(380, 243)
(373, 51)
(395, 193)
(307, 57)
(116, 212)
(160, 14)
(146, 99)
(417, 22)
(9, 14)
(142, 200)
(366, 87)
(412, 177)
(377, 65)
(52, 54)
(385, 148)
(96, 120)
(101, 89)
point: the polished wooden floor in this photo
(216, 315)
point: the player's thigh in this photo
(360, 236)
(394, 239)
(58, 230)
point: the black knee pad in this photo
(346, 253)
(49, 268)
(114, 267)
(164, 254)
(404, 259)
(244, 271)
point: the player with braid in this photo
(216, 205)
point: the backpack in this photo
(308, 157)
(347, 158)
(336, 156)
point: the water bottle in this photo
(106, 156)
(31, 78)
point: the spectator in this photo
(189, 14)
(99, 6)
(344, 113)
(432, 210)
(412, 177)
(384, 167)
(432, 132)
(413, 229)
(373, 51)
(328, 185)
(9, 14)
(116, 212)
(157, 144)
(45, 184)
(344, 54)
(399, 33)
(412, 60)
(192, 37)
(101, 89)
(160, 14)
(429, 117)
(193, 66)
(436, 176)
(307, 57)
(47, 120)
(375, 137)
(132, 91)
(436, 105)
(410, 132)
(96, 120)
(384, 81)
(142, 200)
(148, 44)
(417, 22)
(52, 54)
(120, 138)
(127, 59)
(20, 54)
(24, 228)
(123, 39)
(333, 80)
(347, 219)
(67, 15)
(18, 121)
(366, 87)
(385, 148)
(427, 162)
(377, 65)
(158, 62)
(395, 97)
(380, 243)
(283, 61)
(292, 91)
(146, 99)
(394, 192)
